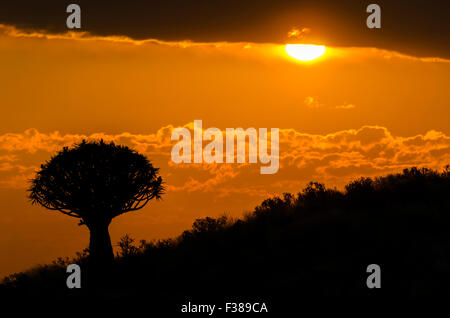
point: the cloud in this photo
(259, 50)
(296, 33)
(312, 102)
(13, 31)
(372, 52)
(346, 106)
(333, 158)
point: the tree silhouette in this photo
(95, 182)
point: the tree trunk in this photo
(100, 248)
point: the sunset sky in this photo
(376, 102)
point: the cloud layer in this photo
(333, 158)
(415, 27)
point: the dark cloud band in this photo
(415, 27)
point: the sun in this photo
(305, 52)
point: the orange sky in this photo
(356, 111)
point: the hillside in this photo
(317, 243)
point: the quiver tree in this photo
(95, 182)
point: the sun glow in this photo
(305, 52)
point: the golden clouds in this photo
(345, 106)
(335, 157)
(12, 31)
(297, 33)
(312, 102)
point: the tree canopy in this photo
(96, 180)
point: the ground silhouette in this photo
(317, 243)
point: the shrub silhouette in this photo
(127, 248)
(95, 182)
